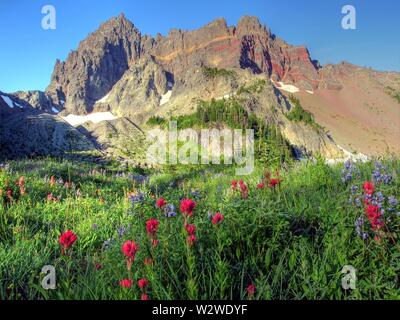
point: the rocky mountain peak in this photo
(99, 62)
(250, 25)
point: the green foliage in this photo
(393, 93)
(271, 147)
(298, 114)
(256, 87)
(187, 121)
(212, 73)
(156, 121)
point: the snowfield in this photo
(288, 87)
(95, 117)
(103, 100)
(348, 156)
(8, 101)
(285, 87)
(165, 97)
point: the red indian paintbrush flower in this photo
(129, 248)
(142, 283)
(234, 184)
(217, 218)
(144, 296)
(191, 239)
(368, 187)
(260, 186)
(372, 211)
(152, 226)
(126, 283)
(374, 215)
(251, 289)
(98, 266)
(190, 228)
(155, 242)
(160, 203)
(187, 207)
(274, 182)
(67, 239)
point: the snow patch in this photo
(103, 100)
(165, 97)
(55, 110)
(348, 156)
(310, 92)
(8, 101)
(18, 105)
(285, 87)
(95, 117)
(288, 87)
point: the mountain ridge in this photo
(117, 69)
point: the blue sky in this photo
(28, 53)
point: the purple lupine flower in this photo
(136, 198)
(195, 194)
(358, 224)
(121, 231)
(379, 175)
(354, 189)
(393, 202)
(376, 176)
(169, 210)
(348, 164)
(348, 171)
(107, 244)
(387, 178)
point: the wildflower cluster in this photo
(376, 219)
(380, 174)
(241, 186)
(136, 198)
(268, 181)
(375, 222)
(349, 171)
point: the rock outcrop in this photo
(100, 61)
(26, 131)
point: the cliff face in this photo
(104, 56)
(249, 45)
(98, 63)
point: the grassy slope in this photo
(291, 243)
